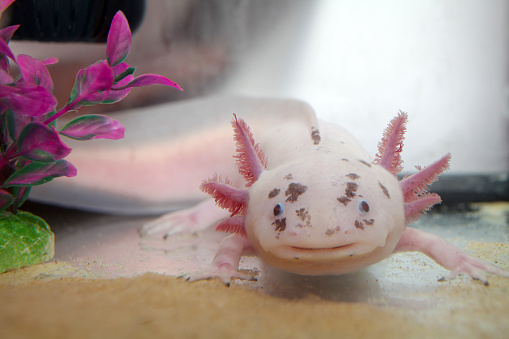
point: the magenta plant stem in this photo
(64, 110)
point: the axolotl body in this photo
(314, 203)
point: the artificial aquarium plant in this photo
(31, 151)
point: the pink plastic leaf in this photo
(121, 71)
(414, 209)
(97, 77)
(113, 95)
(119, 40)
(391, 145)
(7, 32)
(50, 61)
(15, 123)
(38, 173)
(6, 35)
(5, 78)
(417, 183)
(234, 225)
(4, 4)
(91, 84)
(28, 99)
(121, 67)
(7, 90)
(5, 49)
(34, 72)
(93, 127)
(39, 142)
(250, 158)
(6, 199)
(226, 196)
(149, 79)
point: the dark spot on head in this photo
(353, 176)
(351, 188)
(341, 141)
(303, 215)
(280, 224)
(359, 224)
(274, 193)
(315, 135)
(384, 189)
(289, 176)
(365, 163)
(369, 222)
(344, 159)
(331, 231)
(344, 200)
(294, 190)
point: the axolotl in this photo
(314, 203)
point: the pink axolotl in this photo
(315, 204)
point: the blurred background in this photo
(356, 63)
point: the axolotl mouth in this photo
(322, 248)
(321, 253)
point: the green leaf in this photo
(93, 126)
(25, 240)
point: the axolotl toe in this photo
(314, 203)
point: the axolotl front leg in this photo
(226, 261)
(447, 255)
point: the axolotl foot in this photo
(447, 255)
(191, 219)
(226, 262)
(225, 272)
(474, 268)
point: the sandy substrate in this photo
(53, 301)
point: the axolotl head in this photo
(325, 216)
(328, 214)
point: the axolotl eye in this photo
(278, 209)
(363, 206)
